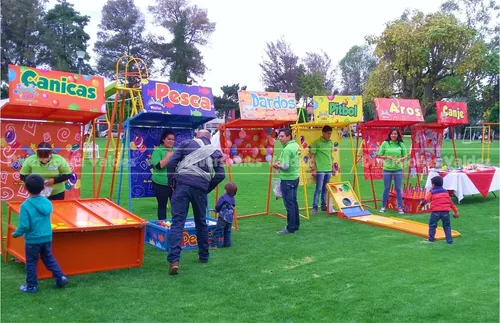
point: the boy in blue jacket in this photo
(35, 226)
(225, 209)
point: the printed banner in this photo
(267, 106)
(399, 110)
(338, 109)
(452, 113)
(426, 147)
(248, 146)
(307, 137)
(19, 140)
(178, 99)
(141, 144)
(372, 140)
(54, 89)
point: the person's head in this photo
(167, 139)
(231, 189)
(203, 133)
(44, 152)
(285, 135)
(394, 136)
(326, 132)
(34, 184)
(437, 181)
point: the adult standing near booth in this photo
(321, 150)
(288, 165)
(393, 151)
(161, 186)
(196, 169)
(53, 168)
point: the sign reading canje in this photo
(338, 109)
(452, 113)
(267, 106)
(399, 110)
(54, 89)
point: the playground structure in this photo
(251, 138)
(53, 106)
(337, 112)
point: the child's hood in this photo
(42, 205)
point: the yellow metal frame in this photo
(485, 144)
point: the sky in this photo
(243, 28)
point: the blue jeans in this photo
(322, 178)
(289, 192)
(182, 196)
(44, 250)
(433, 221)
(223, 228)
(398, 181)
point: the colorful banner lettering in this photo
(178, 99)
(53, 89)
(307, 137)
(141, 145)
(19, 140)
(372, 140)
(399, 110)
(248, 146)
(452, 113)
(338, 109)
(267, 106)
(426, 147)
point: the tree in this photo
(311, 84)
(229, 101)
(121, 33)
(476, 14)
(190, 27)
(355, 68)
(64, 34)
(321, 63)
(21, 26)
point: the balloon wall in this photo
(242, 146)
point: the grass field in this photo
(332, 270)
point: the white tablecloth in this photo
(461, 184)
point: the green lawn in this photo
(331, 270)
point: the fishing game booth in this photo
(89, 235)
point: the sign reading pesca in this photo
(267, 106)
(452, 113)
(338, 109)
(54, 89)
(177, 99)
(399, 110)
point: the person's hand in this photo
(456, 215)
(277, 165)
(49, 182)
(313, 172)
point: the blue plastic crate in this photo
(157, 235)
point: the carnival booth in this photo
(251, 138)
(338, 112)
(391, 113)
(90, 235)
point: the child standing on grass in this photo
(225, 210)
(35, 225)
(441, 204)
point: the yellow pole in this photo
(355, 168)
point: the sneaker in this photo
(315, 211)
(203, 261)
(284, 231)
(400, 211)
(61, 282)
(212, 247)
(174, 268)
(429, 240)
(323, 208)
(382, 210)
(26, 289)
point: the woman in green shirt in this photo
(393, 152)
(159, 158)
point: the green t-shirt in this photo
(290, 155)
(159, 175)
(389, 148)
(322, 151)
(56, 166)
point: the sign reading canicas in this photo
(267, 106)
(54, 89)
(338, 109)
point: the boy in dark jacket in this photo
(35, 225)
(225, 209)
(441, 204)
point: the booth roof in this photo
(14, 111)
(148, 118)
(386, 123)
(256, 124)
(322, 124)
(432, 125)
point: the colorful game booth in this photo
(89, 235)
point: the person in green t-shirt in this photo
(393, 152)
(52, 167)
(321, 150)
(288, 165)
(161, 187)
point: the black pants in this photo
(162, 193)
(58, 196)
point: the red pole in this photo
(452, 134)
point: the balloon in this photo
(237, 159)
(263, 151)
(255, 138)
(230, 161)
(255, 151)
(228, 134)
(272, 141)
(264, 141)
(248, 159)
(238, 141)
(228, 143)
(269, 131)
(233, 151)
(242, 134)
(226, 151)
(269, 158)
(269, 150)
